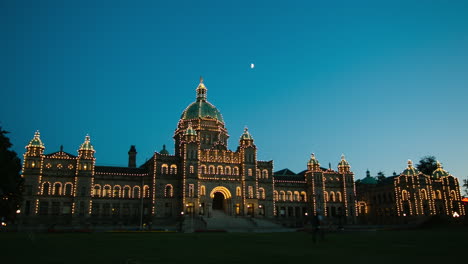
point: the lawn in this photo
(445, 245)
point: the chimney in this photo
(132, 157)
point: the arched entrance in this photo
(218, 201)
(221, 199)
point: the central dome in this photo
(201, 108)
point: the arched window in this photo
(282, 196)
(235, 171)
(164, 169)
(146, 191)
(126, 191)
(453, 195)
(325, 196)
(304, 196)
(423, 194)
(57, 188)
(136, 192)
(404, 195)
(107, 191)
(290, 195)
(228, 170)
(202, 169)
(211, 169)
(261, 193)
(265, 174)
(250, 192)
(249, 172)
(438, 195)
(258, 173)
(332, 196)
(68, 188)
(297, 197)
(46, 188)
(117, 190)
(219, 170)
(238, 192)
(168, 191)
(202, 190)
(275, 196)
(338, 196)
(97, 190)
(173, 169)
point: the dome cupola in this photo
(410, 170)
(439, 172)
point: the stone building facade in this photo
(203, 175)
(408, 195)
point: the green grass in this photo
(222, 248)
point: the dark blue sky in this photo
(380, 81)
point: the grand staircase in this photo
(219, 221)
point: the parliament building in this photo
(204, 179)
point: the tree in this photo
(10, 179)
(427, 165)
(380, 176)
(465, 186)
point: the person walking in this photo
(317, 225)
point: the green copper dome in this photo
(369, 180)
(313, 160)
(190, 131)
(410, 170)
(439, 172)
(164, 151)
(246, 135)
(36, 141)
(201, 108)
(343, 161)
(87, 144)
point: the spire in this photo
(190, 131)
(246, 135)
(201, 91)
(164, 150)
(61, 148)
(36, 141)
(87, 144)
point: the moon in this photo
(252, 66)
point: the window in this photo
(117, 191)
(97, 190)
(238, 192)
(275, 195)
(423, 194)
(438, 194)
(68, 188)
(249, 172)
(164, 169)
(257, 172)
(107, 191)
(332, 196)
(43, 208)
(55, 208)
(45, 188)
(211, 169)
(235, 171)
(203, 169)
(57, 188)
(136, 192)
(146, 191)
(265, 174)
(202, 190)
(126, 191)
(303, 196)
(453, 195)
(173, 169)
(261, 193)
(228, 170)
(219, 170)
(297, 197)
(250, 191)
(338, 196)
(168, 191)
(404, 195)
(191, 169)
(325, 196)
(290, 195)
(282, 196)
(191, 187)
